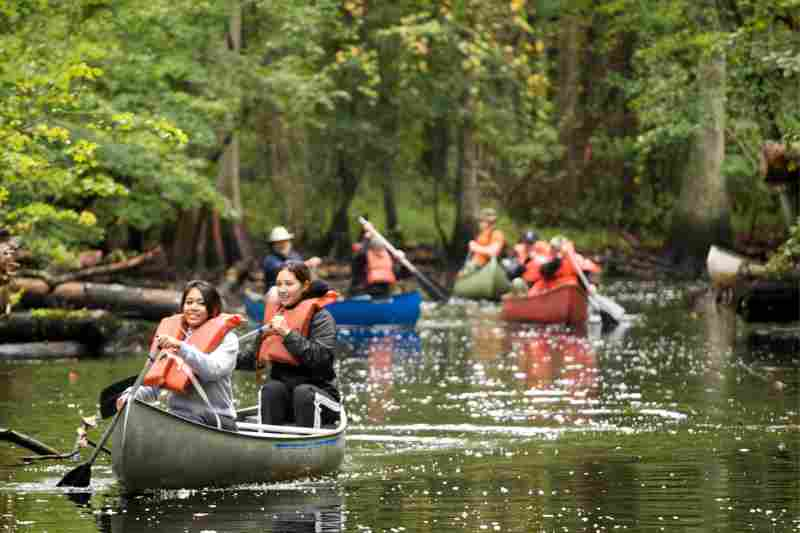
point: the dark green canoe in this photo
(487, 283)
(154, 449)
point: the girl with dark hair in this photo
(201, 339)
(299, 346)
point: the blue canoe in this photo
(400, 309)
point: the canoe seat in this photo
(320, 401)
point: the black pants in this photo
(281, 405)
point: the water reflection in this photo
(556, 360)
(283, 509)
(668, 423)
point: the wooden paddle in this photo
(81, 475)
(109, 395)
(435, 291)
(602, 304)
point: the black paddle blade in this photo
(434, 290)
(80, 476)
(109, 395)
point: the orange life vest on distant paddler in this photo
(170, 371)
(380, 267)
(485, 238)
(298, 318)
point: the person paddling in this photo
(201, 338)
(300, 349)
(374, 270)
(489, 242)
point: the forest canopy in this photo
(200, 125)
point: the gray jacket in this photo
(214, 372)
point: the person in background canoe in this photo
(531, 253)
(281, 251)
(300, 348)
(374, 271)
(489, 242)
(201, 337)
(521, 254)
(560, 268)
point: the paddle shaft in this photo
(109, 395)
(110, 428)
(586, 285)
(439, 294)
(594, 298)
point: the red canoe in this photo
(565, 304)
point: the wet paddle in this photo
(435, 291)
(81, 475)
(604, 305)
(109, 395)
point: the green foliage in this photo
(85, 141)
(787, 257)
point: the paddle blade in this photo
(435, 292)
(109, 395)
(607, 306)
(80, 476)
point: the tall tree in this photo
(702, 215)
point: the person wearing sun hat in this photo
(281, 251)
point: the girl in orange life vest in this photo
(300, 348)
(489, 242)
(201, 322)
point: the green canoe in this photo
(487, 283)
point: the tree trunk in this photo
(289, 185)
(435, 161)
(467, 194)
(701, 216)
(571, 40)
(390, 207)
(336, 241)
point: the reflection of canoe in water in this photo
(565, 304)
(400, 309)
(404, 341)
(155, 449)
(486, 283)
(285, 508)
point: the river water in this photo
(673, 421)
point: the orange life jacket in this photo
(565, 274)
(298, 318)
(541, 255)
(170, 371)
(379, 267)
(485, 238)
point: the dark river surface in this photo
(673, 421)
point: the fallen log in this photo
(20, 439)
(91, 328)
(44, 350)
(148, 303)
(111, 268)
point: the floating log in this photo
(147, 303)
(44, 350)
(91, 328)
(20, 439)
